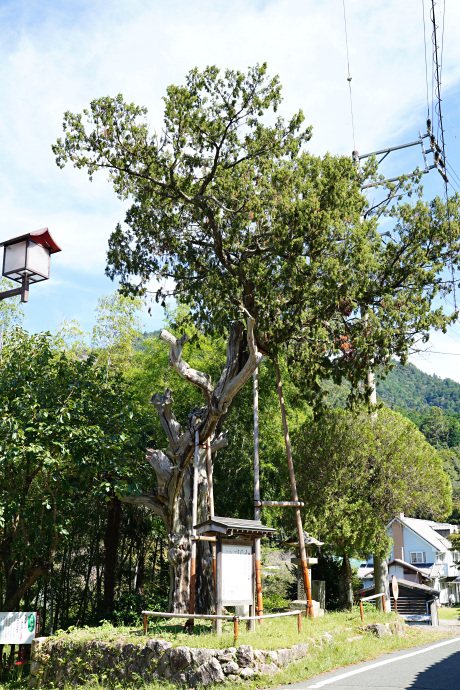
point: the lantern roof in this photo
(308, 539)
(234, 527)
(42, 236)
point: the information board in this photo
(18, 628)
(237, 580)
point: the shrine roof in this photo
(233, 527)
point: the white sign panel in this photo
(237, 574)
(17, 628)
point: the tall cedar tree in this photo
(244, 222)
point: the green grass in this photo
(450, 614)
(273, 634)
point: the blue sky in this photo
(57, 56)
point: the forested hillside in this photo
(412, 389)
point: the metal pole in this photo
(211, 506)
(257, 549)
(303, 555)
(25, 289)
(194, 521)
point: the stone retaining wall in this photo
(57, 662)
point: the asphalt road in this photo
(435, 666)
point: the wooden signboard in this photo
(19, 628)
(237, 587)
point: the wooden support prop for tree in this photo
(191, 608)
(211, 507)
(257, 501)
(145, 624)
(295, 498)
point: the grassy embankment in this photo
(342, 651)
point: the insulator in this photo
(428, 126)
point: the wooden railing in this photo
(373, 596)
(215, 617)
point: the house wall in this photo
(398, 539)
(412, 542)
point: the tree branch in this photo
(184, 370)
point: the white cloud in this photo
(59, 56)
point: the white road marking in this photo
(381, 663)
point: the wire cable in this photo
(437, 73)
(349, 75)
(426, 62)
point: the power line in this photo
(437, 72)
(426, 61)
(349, 75)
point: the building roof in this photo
(406, 584)
(424, 572)
(233, 527)
(425, 530)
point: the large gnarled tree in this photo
(246, 224)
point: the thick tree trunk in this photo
(172, 498)
(180, 541)
(111, 542)
(382, 584)
(346, 585)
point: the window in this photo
(441, 556)
(417, 557)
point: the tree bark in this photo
(382, 583)
(111, 542)
(172, 497)
(346, 585)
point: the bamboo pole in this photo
(191, 608)
(295, 498)
(257, 501)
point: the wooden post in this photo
(145, 624)
(299, 622)
(303, 555)
(219, 585)
(211, 506)
(235, 629)
(257, 549)
(361, 610)
(396, 606)
(191, 608)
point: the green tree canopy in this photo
(229, 206)
(65, 434)
(359, 472)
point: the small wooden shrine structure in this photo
(311, 544)
(235, 559)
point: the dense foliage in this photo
(67, 438)
(360, 471)
(229, 206)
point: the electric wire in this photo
(438, 109)
(426, 62)
(349, 76)
(452, 172)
